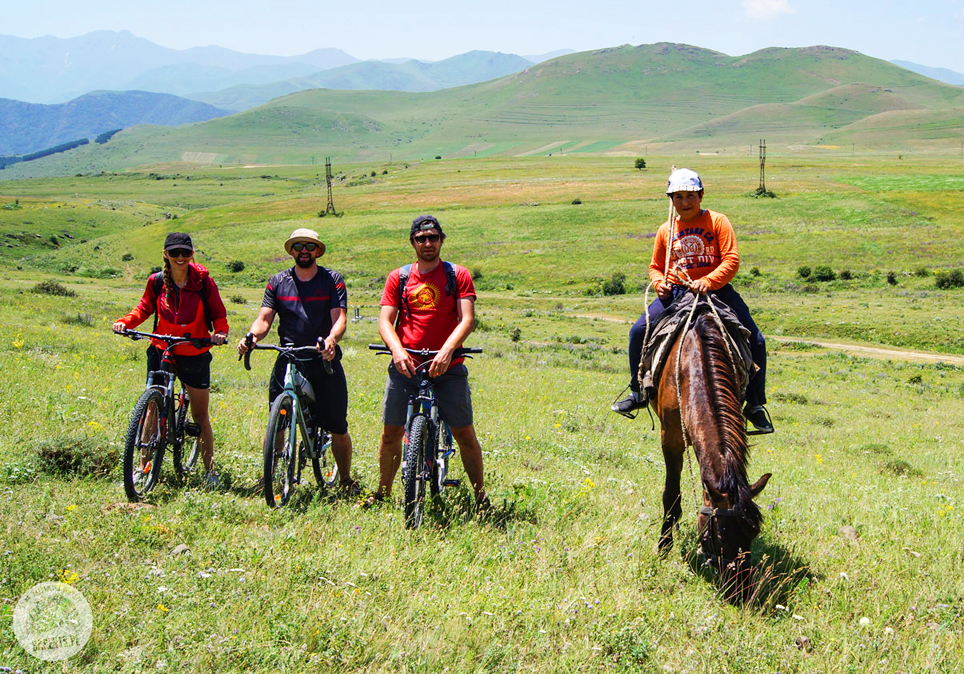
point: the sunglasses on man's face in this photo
(298, 247)
(427, 237)
(180, 252)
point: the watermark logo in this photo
(52, 621)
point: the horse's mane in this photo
(726, 399)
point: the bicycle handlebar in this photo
(252, 345)
(170, 339)
(427, 353)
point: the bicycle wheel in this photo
(144, 446)
(279, 464)
(440, 466)
(323, 463)
(413, 470)
(187, 446)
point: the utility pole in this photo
(763, 161)
(330, 208)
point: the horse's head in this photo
(728, 523)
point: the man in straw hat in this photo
(312, 308)
(704, 247)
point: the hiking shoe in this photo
(634, 401)
(483, 507)
(349, 487)
(760, 418)
(212, 481)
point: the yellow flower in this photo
(162, 607)
(18, 343)
(94, 426)
(69, 577)
(71, 508)
(818, 457)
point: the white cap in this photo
(684, 180)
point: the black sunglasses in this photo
(180, 252)
(428, 237)
(298, 247)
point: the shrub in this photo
(237, 299)
(53, 288)
(127, 257)
(845, 275)
(755, 271)
(576, 201)
(84, 320)
(952, 279)
(615, 285)
(892, 278)
(640, 163)
(373, 173)
(803, 272)
(154, 270)
(515, 334)
(235, 266)
(923, 272)
(438, 156)
(823, 272)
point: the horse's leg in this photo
(673, 457)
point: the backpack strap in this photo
(158, 280)
(451, 287)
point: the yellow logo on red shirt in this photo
(424, 296)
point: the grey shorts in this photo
(451, 393)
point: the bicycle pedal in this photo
(192, 429)
(451, 483)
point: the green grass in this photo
(566, 576)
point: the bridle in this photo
(712, 531)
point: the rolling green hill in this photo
(675, 97)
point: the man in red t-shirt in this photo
(435, 318)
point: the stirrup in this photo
(752, 429)
(629, 414)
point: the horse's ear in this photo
(758, 486)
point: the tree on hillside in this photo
(640, 163)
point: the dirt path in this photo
(857, 349)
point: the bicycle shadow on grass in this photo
(457, 506)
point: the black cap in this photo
(424, 223)
(178, 240)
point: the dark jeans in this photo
(756, 390)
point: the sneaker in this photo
(760, 418)
(634, 401)
(212, 481)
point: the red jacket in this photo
(186, 317)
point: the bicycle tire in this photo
(323, 463)
(439, 466)
(187, 448)
(137, 486)
(279, 465)
(413, 471)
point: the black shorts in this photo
(330, 410)
(193, 371)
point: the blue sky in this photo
(929, 32)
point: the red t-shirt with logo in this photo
(431, 313)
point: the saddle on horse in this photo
(667, 328)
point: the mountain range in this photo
(28, 127)
(669, 98)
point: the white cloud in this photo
(766, 9)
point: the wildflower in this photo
(94, 426)
(18, 343)
(162, 608)
(68, 576)
(818, 457)
(71, 508)
(864, 621)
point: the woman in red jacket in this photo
(186, 299)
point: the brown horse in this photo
(708, 401)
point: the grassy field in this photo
(565, 576)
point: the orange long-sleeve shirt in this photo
(704, 247)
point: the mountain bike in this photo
(159, 420)
(285, 454)
(428, 443)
